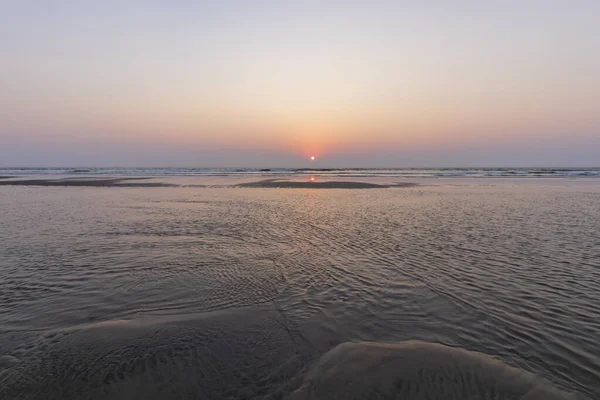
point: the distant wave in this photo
(407, 172)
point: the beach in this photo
(256, 286)
(300, 200)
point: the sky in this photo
(236, 83)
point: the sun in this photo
(312, 158)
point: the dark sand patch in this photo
(285, 184)
(6, 177)
(95, 182)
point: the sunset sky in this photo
(271, 83)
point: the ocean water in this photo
(479, 288)
(359, 172)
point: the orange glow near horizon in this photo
(318, 86)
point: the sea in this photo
(470, 283)
(391, 172)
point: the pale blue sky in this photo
(268, 83)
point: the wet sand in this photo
(142, 182)
(232, 354)
(417, 370)
(226, 292)
(287, 184)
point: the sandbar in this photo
(96, 182)
(287, 184)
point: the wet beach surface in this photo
(203, 288)
(153, 182)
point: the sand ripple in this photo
(507, 271)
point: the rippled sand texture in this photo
(417, 371)
(228, 292)
(216, 356)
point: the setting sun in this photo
(312, 158)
